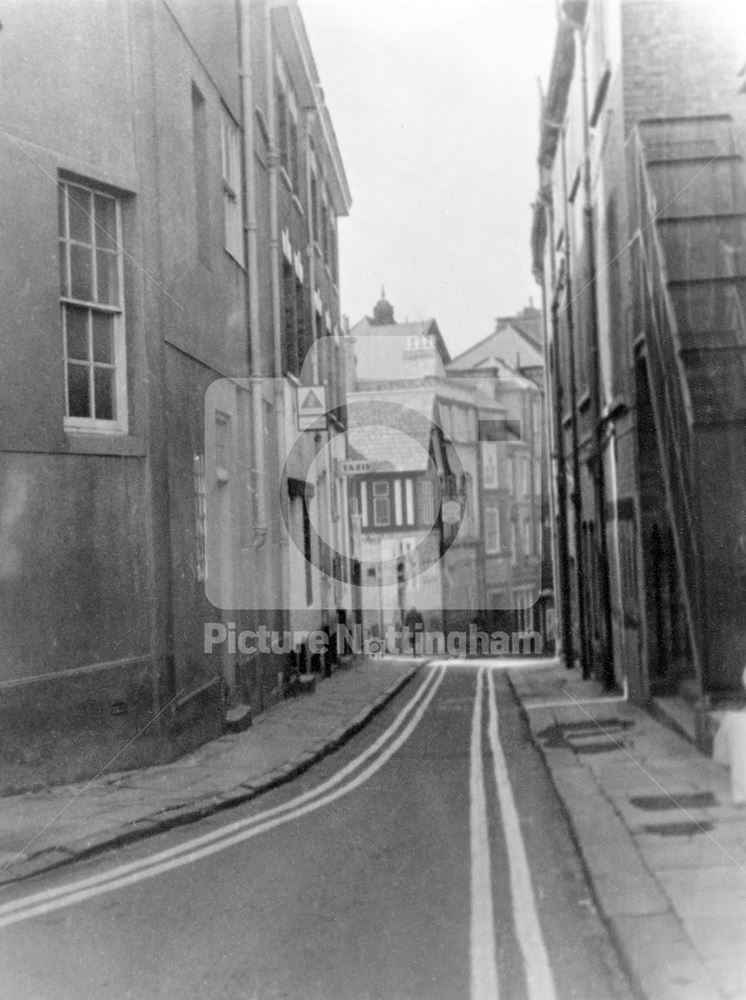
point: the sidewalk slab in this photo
(663, 844)
(44, 830)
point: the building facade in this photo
(481, 421)
(171, 196)
(508, 364)
(638, 242)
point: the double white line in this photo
(484, 976)
(344, 781)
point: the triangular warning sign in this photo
(312, 402)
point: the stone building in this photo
(638, 242)
(171, 189)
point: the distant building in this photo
(483, 451)
(516, 340)
(414, 349)
(518, 578)
(396, 498)
(639, 244)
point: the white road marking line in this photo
(528, 928)
(228, 828)
(484, 984)
(188, 853)
(495, 663)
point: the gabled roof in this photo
(528, 326)
(416, 328)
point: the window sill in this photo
(90, 443)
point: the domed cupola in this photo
(383, 311)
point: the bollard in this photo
(730, 749)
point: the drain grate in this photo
(585, 726)
(592, 748)
(684, 800)
(683, 829)
(591, 736)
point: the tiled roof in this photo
(392, 431)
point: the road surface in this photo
(428, 859)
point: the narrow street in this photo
(428, 858)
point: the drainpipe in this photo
(308, 116)
(256, 359)
(563, 549)
(273, 159)
(556, 443)
(274, 247)
(576, 495)
(597, 459)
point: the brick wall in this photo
(681, 57)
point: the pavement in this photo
(663, 844)
(43, 830)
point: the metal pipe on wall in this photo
(596, 463)
(256, 358)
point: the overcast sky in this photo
(435, 105)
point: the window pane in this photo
(81, 273)
(106, 222)
(81, 223)
(108, 277)
(103, 380)
(63, 269)
(77, 332)
(381, 515)
(78, 391)
(103, 338)
(427, 505)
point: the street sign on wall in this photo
(311, 407)
(357, 467)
